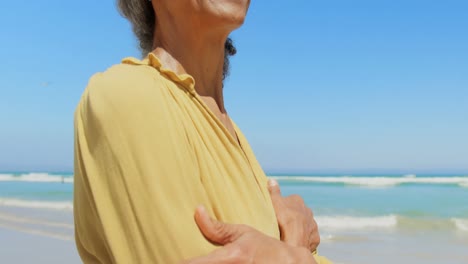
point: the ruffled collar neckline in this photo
(186, 80)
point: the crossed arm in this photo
(243, 244)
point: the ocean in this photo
(409, 201)
(354, 213)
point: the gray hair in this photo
(142, 17)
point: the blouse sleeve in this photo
(136, 183)
(321, 259)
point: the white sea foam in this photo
(61, 205)
(461, 224)
(333, 223)
(352, 223)
(35, 177)
(378, 181)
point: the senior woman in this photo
(153, 141)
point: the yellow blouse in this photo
(148, 151)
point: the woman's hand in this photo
(296, 221)
(243, 244)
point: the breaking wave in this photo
(390, 222)
(36, 177)
(351, 222)
(59, 205)
(377, 181)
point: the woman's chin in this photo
(232, 12)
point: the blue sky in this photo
(317, 86)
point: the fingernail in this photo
(272, 183)
(201, 208)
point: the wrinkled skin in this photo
(243, 244)
(296, 221)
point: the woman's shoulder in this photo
(123, 80)
(122, 90)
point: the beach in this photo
(36, 236)
(362, 219)
(18, 247)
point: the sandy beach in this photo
(19, 247)
(32, 236)
(401, 247)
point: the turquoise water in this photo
(45, 191)
(415, 200)
(338, 201)
(36, 191)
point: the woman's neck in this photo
(201, 56)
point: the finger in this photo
(216, 231)
(274, 188)
(310, 213)
(296, 202)
(275, 194)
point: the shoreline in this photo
(45, 236)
